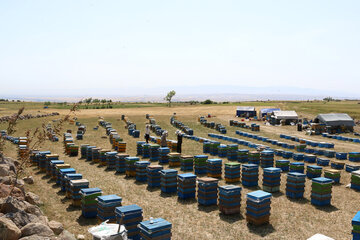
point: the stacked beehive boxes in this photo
(174, 159)
(155, 152)
(283, 164)
(333, 174)
(271, 179)
(322, 162)
(337, 164)
(139, 148)
(297, 167)
(168, 180)
(155, 229)
(75, 187)
(321, 191)
(258, 207)
(186, 185)
(355, 180)
(214, 168)
(232, 152)
(207, 191)
(200, 164)
(267, 158)
(106, 207)
(222, 150)
(154, 175)
(229, 199)
(356, 226)
(120, 165)
(254, 157)
(130, 216)
(146, 150)
(83, 149)
(186, 163)
(250, 175)
(243, 155)
(89, 202)
(232, 172)
(130, 168)
(313, 171)
(295, 185)
(141, 174)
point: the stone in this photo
(6, 189)
(36, 228)
(37, 237)
(66, 235)
(56, 227)
(80, 237)
(4, 170)
(11, 205)
(28, 180)
(22, 218)
(33, 199)
(8, 230)
(6, 180)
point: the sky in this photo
(78, 48)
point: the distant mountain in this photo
(186, 93)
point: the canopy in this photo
(269, 110)
(336, 119)
(245, 108)
(285, 115)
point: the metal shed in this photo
(336, 122)
(266, 111)
(284, 117)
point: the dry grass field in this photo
(290, 219)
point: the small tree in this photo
(169, 96)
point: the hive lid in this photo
(155, 225)
(128, 209)
(90, 190)
(208, 180)
(356, 219)
(259, 195)
(322, 180)
(230, 187)
(187, 175)
(109, 198)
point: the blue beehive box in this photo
(186, 185)
(313, 171)
(309, 158)
(356, 226)
(283, 164)
(89, 202)
(207, 191)
(68, 177)
(250, 175)
(214, 168)
(229, 199)
(139, 148)
(322, 162)
(130, 216)
(61, 175)
(106, 207)
(267, 158)
(89, 152)
(295, 185)
(154, 175)
(141, 173)
(155, 229)
(341, 156)
(321, 191)
(111, 159)
(168, 180)
(271, 179)
(258, 207)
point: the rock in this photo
(20, 184)
(4, 170)
(12, 205)
(6, 180)
(11, 163)
(36, 228)
(33, 199)
(37, 237)
(28, 180)
(80, 237)
(8, 230)
(16, 192)
(22, 218)
(56, 227)
(65, 235)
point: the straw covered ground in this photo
(289, 219)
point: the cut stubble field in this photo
(289, 219)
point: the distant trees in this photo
(328, 99)
(48, 103)
(169, 97)
(208, 101)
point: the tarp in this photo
(245, 109)
(268, 110)
(285, 115)
(336, 119)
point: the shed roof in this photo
(285, 115)
(269, 110)
(336, 119)
(246, 108)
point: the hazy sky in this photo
(99, 46)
